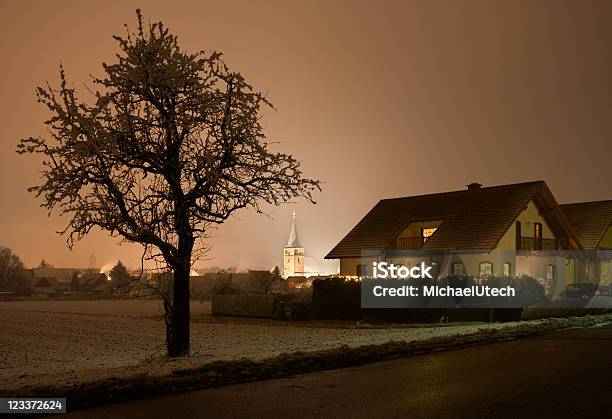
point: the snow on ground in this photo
(74, 341)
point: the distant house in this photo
(90, 283)
(61, 281)
(44, 287)
(500, 230)
(52, 281)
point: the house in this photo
(60, 279)
(504, 230)
(50, 281)
(90, 283)
(44, 287)
(592, 222)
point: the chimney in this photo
(474, 186)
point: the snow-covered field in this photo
(74, 341)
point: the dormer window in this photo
(427, 233)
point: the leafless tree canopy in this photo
(171, 145)
(13, 274)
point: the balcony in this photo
(532, 243)
(407, 243)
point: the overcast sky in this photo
(378, 99)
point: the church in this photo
(293, 254)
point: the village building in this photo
(592, 222)
(506, 230)
(55, 282)
(293, 254)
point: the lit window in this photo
(457, 268)
(486, 269)
(537, 234)
(427, 232)
(550, 272)
(537, 230)
(507, 269)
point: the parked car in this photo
(580, 290)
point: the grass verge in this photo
(219, 373)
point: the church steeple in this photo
(293, 254)
(293, 237)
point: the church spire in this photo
(293, 237)
(293, 254)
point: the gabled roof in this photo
(591, 220)
(474, 219)
(60, 274)
(92, 278)
(41, 282)
(46, 282)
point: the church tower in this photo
(293, 254)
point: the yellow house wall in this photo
(528, 217)
(591, 271)
(348, 266)
(606, 273)
(606, 241)
(570, 271)
(471, 263)
(588, 271)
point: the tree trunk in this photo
(177, 323)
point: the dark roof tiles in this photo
(471, 219)
(591, 220)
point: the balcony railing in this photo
(532, 243)
(407, 243)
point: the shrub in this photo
(529, 290)
(224, 287)
(340, 298)
(536, 313)
(336, 298)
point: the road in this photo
(566, 374)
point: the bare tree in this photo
(266, 280)
(171, 146)
(13, 274)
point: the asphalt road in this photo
(566, 374)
